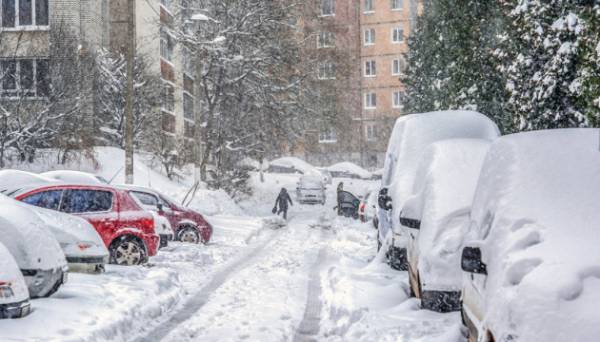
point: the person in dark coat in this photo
(282, 202)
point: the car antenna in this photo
(115, 175)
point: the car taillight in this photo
(148, 224)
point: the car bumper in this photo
(88, 264)
(41, 282)
(311, 200)
(152, 242)
(15, 310)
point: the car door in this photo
(95, 206)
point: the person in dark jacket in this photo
(282, 202)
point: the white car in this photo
(437, 216)
(310, 190)
(162, 226)
(531, 261)
(75, 177)
(10, 179)
(35, 249)
(14, 296)
(412, 134)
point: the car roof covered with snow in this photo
(536, 214)
(350, 168)
(443, 194)
(28, 237)
(296, 164)
(9, 179)
(11, 274)
(77, 177)
(415, 132)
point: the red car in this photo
(188, 225)
(126, 229)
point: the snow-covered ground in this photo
(318, 278)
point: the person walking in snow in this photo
(282, 202)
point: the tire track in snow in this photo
(310, 325)
(198, 300)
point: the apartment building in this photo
(374, 37)
(157, 22)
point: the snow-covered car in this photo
(411, 135)
(11, 179)
(437, 217)
(531, 259)
(74, 177)
(187, 224)
(368, 208)
(326, 176)
(349, 170)
(310, 190)
(34, 248)
(292, 165)
(14, 296)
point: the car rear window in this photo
(145, 198)
(45, 199)
(86, 201)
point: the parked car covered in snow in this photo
(411, 135)
(368, 208)
(187, 224)
(349, 170)
(310, 190)
(75, 177)
(126, 229)
(326, 176)
(437, 217)
(531, 258)
(11, 179)
(14, 296)
(34, 248)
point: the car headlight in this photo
(6, 290)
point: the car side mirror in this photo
(471, 261)
(410, 222)
(410, 216)
(160, 207)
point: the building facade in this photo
(375, 40)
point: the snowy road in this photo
(317, 279)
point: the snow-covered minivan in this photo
(14, 296)
(437, 216)
(35, 249)
(531, 261)
(411, 135)
(310, 190)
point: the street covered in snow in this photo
(316, 278)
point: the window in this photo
(370, 100)
(396, 5)
(325, 40)
(188, 106)
(398, 66)
(327, 7)
(370, 68)
(45, 199)
(371, 132)
(397, 99)
(22, 13)
(397, 34)
(168, 98)
(146, 198)
(369, 36)
(188, 65)
(24, 78)
(326, 71)
(327, 136)
(86, 201)
(167, 45)
(369, 6)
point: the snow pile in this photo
(445, 185)
(10, 178)
(75, 177)
(293, 163)
(536, 212)
(350, 169)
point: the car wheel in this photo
(376, 223)
(189, 235)
(127, 251)
(54, 288)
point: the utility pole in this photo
(130, 92)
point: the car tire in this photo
(127, 251)
(54, 288)
(189, 234)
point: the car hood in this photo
(28, 238)
(10, 273)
